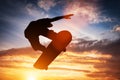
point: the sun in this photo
(31, 75)
(31, 78)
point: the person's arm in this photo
(61, 17)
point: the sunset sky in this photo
(93, 54)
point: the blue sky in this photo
(94, 19)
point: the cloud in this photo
(46, 4)
(86, 11)
(35, 12)
(11, 57)
(109, 70)
(116, 28)
(76, 70)
(83, 11)
(113, 34)
(104, 46)
(20, 62)
(110, 44)
(79, 65)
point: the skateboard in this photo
(56, 46)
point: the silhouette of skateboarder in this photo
(40, 27)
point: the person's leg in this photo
(51, 35)
(36, 44)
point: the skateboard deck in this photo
(56, 46)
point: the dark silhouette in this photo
(40, 27)
(62, 39)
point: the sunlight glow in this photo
(95, 54)
(31, 75)
(67, 65)
(92, 55)
(31, 78)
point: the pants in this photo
(34, 41)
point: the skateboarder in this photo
(40, 27)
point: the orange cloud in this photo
(76, 65)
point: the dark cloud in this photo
(104, 46)
(109, 70)
(116, 28)
(28, 51)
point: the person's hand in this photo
(68, 16)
